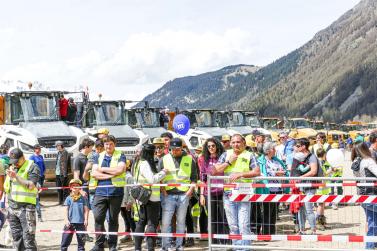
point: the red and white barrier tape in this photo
(303, 198)
(320, 238)
(243, 185)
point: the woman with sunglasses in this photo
(212, 150)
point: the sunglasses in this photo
(159, 147)
(211, 146)
(297, 146)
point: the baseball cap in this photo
(225, 137)
(59, 143)
(158, 141)
(37, 146)
(75, 181)
(14, 155)
(103, 131)
(176, 143)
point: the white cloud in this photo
(144, 62)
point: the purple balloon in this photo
(181, 124)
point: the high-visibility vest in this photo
(195, 210)
(18, 192)
(241, 165)
(142, 180)
(119, 180)
(182, 176)
(324, 190)
(136, 210)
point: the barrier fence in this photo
(277, 218)
(344, 229)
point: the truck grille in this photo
(50, 155)
(50, 142)
(124, 142)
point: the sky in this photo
(127, 49)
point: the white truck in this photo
(202, 126)
(110, 115)
(146, 120)
(32, 117)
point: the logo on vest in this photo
(244, 160)
(186, 164)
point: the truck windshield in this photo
(299, 123)
(237, 119)
(147, 118)
(107, 114)
(318, 126)
(253, 121)
(270, 124)
(33, 108)
(204, 119)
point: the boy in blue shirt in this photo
(37, 157)
(77, 214)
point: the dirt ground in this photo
(346, 220)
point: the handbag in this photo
(356, 164)
(140, 193)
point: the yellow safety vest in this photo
(142, 180)
(241, 165)
(324, 190)
(119, 180)
(195, 210)
(182, 176)
(18, 192)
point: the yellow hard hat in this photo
(103, 131)
(334, 145)
(250, 142)
(225, 137)
(158, 141)
(75, 181)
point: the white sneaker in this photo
(335, 206)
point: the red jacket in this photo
(63, 107)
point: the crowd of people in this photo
(106, 173)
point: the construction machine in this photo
(30, 117)
(300, 128)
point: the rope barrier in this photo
(237, 185)
(319, 238)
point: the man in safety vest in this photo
(239, 164)
(108, 170)
(182, 170)
(20, 186)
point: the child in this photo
(77, 214)
(327, 171)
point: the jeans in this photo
(307, 212)
(148, 217)
(101, 205)
(371, 215)
(67, 237)
(129, 222)
(238, 216)
(174, 203)
(62, 181)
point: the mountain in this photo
(201, 91)
(333, 76)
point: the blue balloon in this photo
(181, 124)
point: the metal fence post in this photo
(209, 213)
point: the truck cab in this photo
(234, 121)
(146, 120)
(110, 114)
(202, 126)
(300, 128)
(32, 117)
